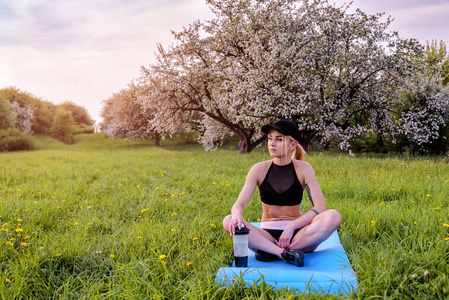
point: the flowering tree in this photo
(124, 117)
(427, 110)
(24, 115)
(337, 74)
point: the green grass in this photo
(125, 220)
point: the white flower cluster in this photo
(24, 116)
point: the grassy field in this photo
(127, 220)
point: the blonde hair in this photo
(298, 152)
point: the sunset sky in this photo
(85, 50)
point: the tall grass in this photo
(125, 220)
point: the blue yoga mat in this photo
(326, 271)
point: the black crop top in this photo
(281, 186)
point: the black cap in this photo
(241, 231)
(283, 126)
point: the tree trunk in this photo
(157, 139)
(305, 137)
(380, 143)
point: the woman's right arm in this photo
(244, 198)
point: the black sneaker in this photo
(294, 257)
(265, 256)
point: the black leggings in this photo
(276, 233)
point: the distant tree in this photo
(7, 117)
(24, 115)
(125, 117)
(80, 114)
(43, 117)
(43, 111)
(62, 126)
(438, 57)
(423, 109)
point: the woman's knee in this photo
(226, 221)
(333, 218)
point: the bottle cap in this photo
(243, 230)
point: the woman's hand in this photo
(286, 237)
(236, 220)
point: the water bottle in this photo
(240, 241)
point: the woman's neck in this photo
(282, 161)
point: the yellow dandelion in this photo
(162, 256)
(213, 226)
(189, 263)
(156, 188)
(195, 238)
(163, 262)
(173, 230)
(139, 237)
(89, 207)
(173, 214)
(173, 196)
(373, 223)
(7, 280)
(112, 256)
(19, 220)
(414, 222)
(9, 243)
(446, 225)
(75, 224)
(57, 255)
(23, 244)
(19, 230)
(429, 195)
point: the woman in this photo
(285, 233)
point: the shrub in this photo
(82, 128)
(14, 140)
(7, 117)
(62, 127)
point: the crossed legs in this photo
(306, 240)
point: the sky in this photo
(83, 51)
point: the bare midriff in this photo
(280, 213)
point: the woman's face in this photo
(279, 145)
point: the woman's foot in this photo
(265, 256)
(294, 257)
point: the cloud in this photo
(84, 51)
(423, 20)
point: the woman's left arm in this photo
(308, 178)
